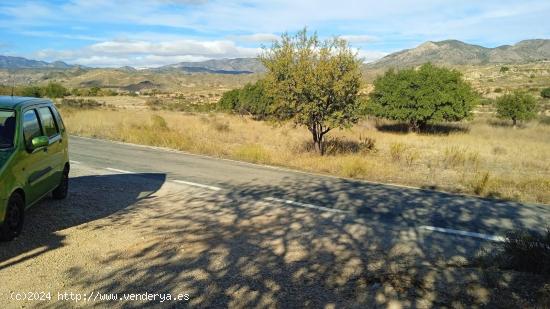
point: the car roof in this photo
(14, 102)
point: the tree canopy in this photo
(516, 106)
(313, 83)
(421, 96)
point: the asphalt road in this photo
(368, 202)
(143, 221)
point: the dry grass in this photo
(486, 160)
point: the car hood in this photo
(4, 157)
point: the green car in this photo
(34, 158)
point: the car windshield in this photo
(7, 128)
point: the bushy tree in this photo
(54, 90)
(229, 100)
(421, 96)
(313, 83)
(252, 99)
(545, 93)
(516, 106)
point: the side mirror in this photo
(39, 142)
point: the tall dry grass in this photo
(483, 159)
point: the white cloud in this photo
(359, 38)
(370, 56)
(117, 53)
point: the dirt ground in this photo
(141, 235)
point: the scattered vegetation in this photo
(178, 105)
(93, 92)
(80, 103)
(418, 97)
(52, 90)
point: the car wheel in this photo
(13, 222)
(61, 191)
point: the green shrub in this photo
(418, 97)
(545, 93)
(229, 100)
(31, 91)
(55, 90)
(252, 99)
(504, 69)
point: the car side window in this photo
(48, 122)
(31, 127)
(58, 119)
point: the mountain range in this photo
(221, 66)
(449, 52)
(9, 62)
(453, 52)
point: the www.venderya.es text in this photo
(71, 296)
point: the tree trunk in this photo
(318, 133)
(413, 126)
(514, 122)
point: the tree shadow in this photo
(435, 129)
(234, 248)
(90, 198)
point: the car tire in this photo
(62, 190)
(15, 215)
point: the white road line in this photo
(289, 202)
(200, 185)
(117, 170)
(74, 162)
(494, 238)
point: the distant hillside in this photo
(220, 66)
(452, 52)
(8, 62)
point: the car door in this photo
(34, 165)
(55, 149)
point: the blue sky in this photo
(111, 33)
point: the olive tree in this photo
(313, 83)
(420, 96)
(516, 106)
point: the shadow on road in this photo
(90, 198)
(231, 249)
